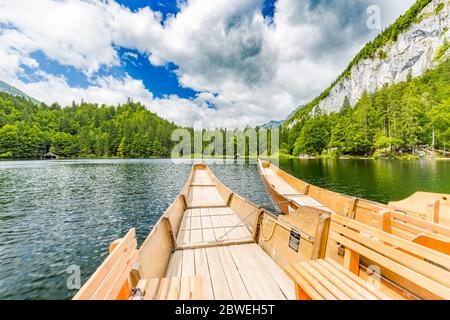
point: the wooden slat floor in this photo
(237, 270)
(201, 177)
(200, 225)
(204, 196)
(307, 201)
(233, 272)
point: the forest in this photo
(29, 130)
(396, 119)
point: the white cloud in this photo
(251, 71)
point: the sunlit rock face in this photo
(413, 53)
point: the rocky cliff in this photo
(416, 50)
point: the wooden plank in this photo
(224, 243)
(188, 267)
(196, 236)
(235, 283)
(431, 255)
(175, 265)
(163, 289)
(122, 278)
(98, 276)
(314, 282)
(202, 270)
(183, 237)
(196, 223)
(185, 293)
(128, 258)
(185, 222)
(327, 284)
(427, 269)
(321, 237)
(279, 184)
(353, 293)
(152, 289)
(417, 278)
(270, 288)
(352, 277)
(234, 233)
(206, 222)
(284, 282)
(434, 243)
(439, 228)
(204, 212)
(384, 222)
(174, 289)
(196, 288)
(201, 177)
(208, 235)
(303, 284)
(196, 212)
(226, 221)
(220, 234)
(351, 261)
(216, 222)
(235, 220)
(218, 278)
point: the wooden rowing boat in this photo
(289, 193)
(213, 244)
(208, 233)
(379, 236)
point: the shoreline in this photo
(232, 158)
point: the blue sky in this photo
(220, 62)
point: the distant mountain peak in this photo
(4, 87)
(272, 124)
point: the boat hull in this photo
(282, 204)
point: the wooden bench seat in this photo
(174, 288)
(413, 268)
(423, 271)
(112, 280)
(326, 279)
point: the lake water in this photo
(61, 213)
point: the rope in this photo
(238, 224)
(265, 206)
(271, 235)
(138, 291)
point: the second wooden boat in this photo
(289, 193)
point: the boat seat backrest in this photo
(111, 281)
(410, 227)
(426, 268)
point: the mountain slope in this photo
(4, 87)
(416, 42)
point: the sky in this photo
(202, 63)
